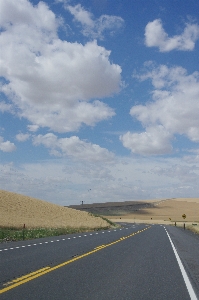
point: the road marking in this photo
(52, 241)
(184, 274)
(26, 278)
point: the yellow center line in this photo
(26, 278)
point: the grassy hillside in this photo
(17, 210)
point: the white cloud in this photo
(25, 14)
(193, 157)
(81, 15)
(6, 146)
(51, 81)
(65, 181)
(4, 107)
(155, 140)
(22, 137)
(73, 147)
(95, 28)
(174, 109)
(33, 128)
(185, 173)
(155, 36)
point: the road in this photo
(132, 262)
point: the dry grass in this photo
(193, 228)
(163, 211)
(17, 210)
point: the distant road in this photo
(135, 262)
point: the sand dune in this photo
(16, 210)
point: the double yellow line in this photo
(26, 278)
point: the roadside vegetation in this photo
(194, 228)
(105, 219)
(18, 234)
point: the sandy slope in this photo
(16, 210)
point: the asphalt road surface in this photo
(132, 262)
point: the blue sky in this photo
(99, 99)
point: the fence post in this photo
(24, 226)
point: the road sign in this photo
(184, 216)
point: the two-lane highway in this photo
(135, 262)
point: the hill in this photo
(167, 211)
(147, 211)
(17, 210)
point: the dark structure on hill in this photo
(114, 208)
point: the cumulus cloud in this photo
(22, 137)
(6, 146)
(174, 109)
(73, 147)
(155, 140)
(33, 128)
(50, 81)
(155, 36)
(95, 28)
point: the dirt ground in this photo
(17, 210)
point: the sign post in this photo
(184, 217)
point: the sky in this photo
(99, 99)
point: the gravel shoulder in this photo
(187, 245)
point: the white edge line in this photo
(184, 274)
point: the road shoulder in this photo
(187, 246)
